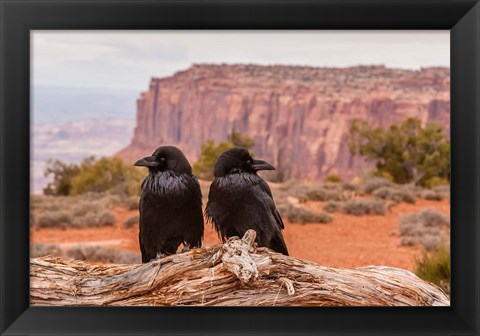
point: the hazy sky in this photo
(129, 59)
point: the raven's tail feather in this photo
(278, 244)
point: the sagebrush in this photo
(428, 228)
(364, 207)
(85, 252)
(299, 214)
(85, 210)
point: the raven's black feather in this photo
(239, 200)
(170, 204)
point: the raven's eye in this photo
(162, 159)
(249, 162)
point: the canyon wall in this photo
(298, 116)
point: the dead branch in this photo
(233, 274)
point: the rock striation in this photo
(299, 116)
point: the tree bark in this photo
(233, 274)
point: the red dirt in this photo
(348, 241)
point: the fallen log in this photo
(233, 274)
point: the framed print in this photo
(239, 168)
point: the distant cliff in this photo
(298, 116)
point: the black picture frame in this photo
(19, 17)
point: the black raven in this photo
(239, 200)
(170, 204)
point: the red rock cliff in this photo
(298, 116)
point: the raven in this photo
(239, 200)
(170, 204)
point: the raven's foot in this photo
(185, 248)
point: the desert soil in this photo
(348, 241)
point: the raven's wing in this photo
(271, 203)
(215, 212)
(192, 215)
(277, 243)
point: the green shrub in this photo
(63, 174)
(436, 181)
(108, 174)
(93, 175)
(210, 152)
(435, 267)
(407, 152)
(364, 207)
(333, 178)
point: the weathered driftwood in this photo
(235, 273)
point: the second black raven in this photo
(170, 204)
(239, 200)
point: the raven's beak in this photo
(148, 161)
(262, 165)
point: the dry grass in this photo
(426, 228)
(435, 267)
